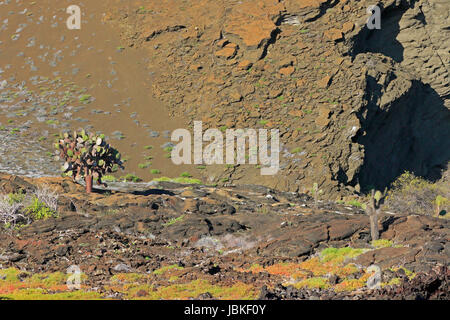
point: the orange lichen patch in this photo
(330, 261)
(320, 268)
(283, 269)
(184, 291)
(280, 269)
(8, 289)
(127, 278)
(256, 268)
(352, 284)
(300, 274)
(349, 285)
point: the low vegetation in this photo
(20, 285)
(173, 221)
(181, 180)
(412, 194)
(130, 178)
(186, 291)
(316, 271)
(22, 208)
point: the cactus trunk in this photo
(88, 180)
(374, 233)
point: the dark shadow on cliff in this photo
(411, 133)
(383, 40)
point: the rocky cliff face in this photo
(355, 107)
(406, 115)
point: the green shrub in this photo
(355, 203)
(185, 175)
(144, 165)
(439, 203)
(339, 254)
(109, 178)
(84, 98)
(16, 197)
(130, 178)
(314, 282)
(38, 210)
(412, 194)
(382, 243)
(180, 180)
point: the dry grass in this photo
(47, 196)
(10, 211)
(22, 208)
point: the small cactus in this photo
(373, 209)
(316, 193)
(88, 156)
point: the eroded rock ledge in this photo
(198, 227)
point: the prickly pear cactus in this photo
(87, 155)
